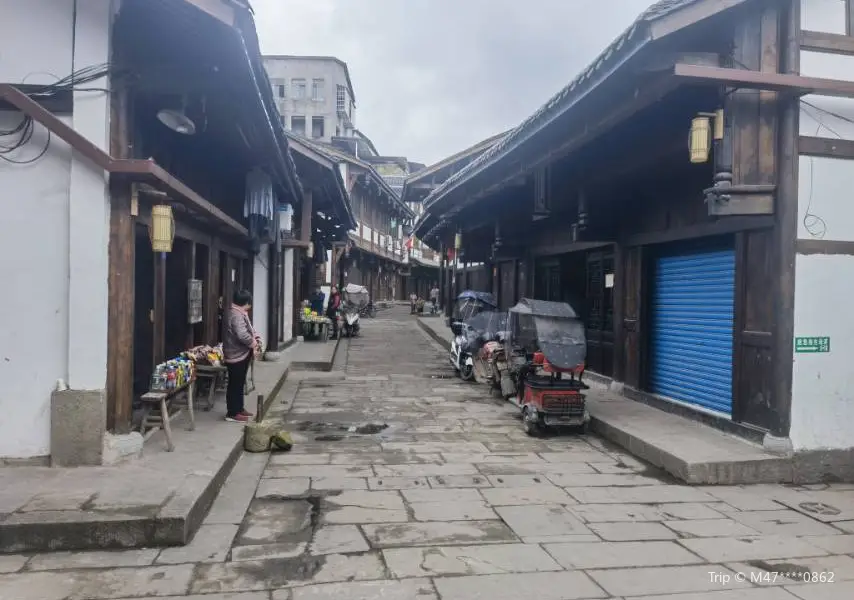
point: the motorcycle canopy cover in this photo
(552, 328)
(469, 303)
(482, 327)
(356, 294)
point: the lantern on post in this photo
(162, 228)
(700, 138)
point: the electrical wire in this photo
(813, 223)
(22, 133)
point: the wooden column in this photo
(122, 260)
(619, 302)
(305, 217)
(211, 292)
(159, 345)
(190, 272)
(275, 297)
(787, 227)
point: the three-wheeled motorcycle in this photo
(546, 349)
(468, 305)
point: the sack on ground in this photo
(264, 437)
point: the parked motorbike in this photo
(467, 339)
(489, 358)
(356, 299)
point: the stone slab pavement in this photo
(405, 483)
(158, 499)
(688, 450)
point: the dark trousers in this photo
(333, 316)
(236, 386)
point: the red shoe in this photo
(246, 413)
(238, 418)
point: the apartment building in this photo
(314, 95)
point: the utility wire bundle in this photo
(22, 133)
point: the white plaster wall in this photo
(823, 15)
(823, 384)
(53, 312)
(288, 308)
(261, 294)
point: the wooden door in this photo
(600, 312)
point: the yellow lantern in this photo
(458, 241)
(162, 229)
(700, 139)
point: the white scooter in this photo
(350, 327)
(461, 359)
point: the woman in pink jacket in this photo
(240, 343)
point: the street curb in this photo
(436, 337)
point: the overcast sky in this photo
(432, 77)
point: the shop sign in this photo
(812, 345)
(194, 301)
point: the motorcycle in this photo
(489, 359)
(467, 338)
(356, 299)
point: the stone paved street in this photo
(407, 484)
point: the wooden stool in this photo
(163, 402)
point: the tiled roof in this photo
(617, 49)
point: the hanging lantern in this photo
(700, 140)
(309, 251)
(162, 228)
(458, 241)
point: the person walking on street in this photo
(240, 343)
(332, 310)
(434, 299)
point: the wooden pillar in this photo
(305, 217)
(787, 226)
(122, 262)
(619, 302)
(190, 271)
(211, 295)
(159, 345)
(274, 274)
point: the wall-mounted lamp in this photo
(701, 136)
(162, 228)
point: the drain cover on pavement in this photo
(819, 508)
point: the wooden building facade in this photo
(682, 258)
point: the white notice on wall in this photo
(609, 280)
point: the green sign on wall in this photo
(812, 345)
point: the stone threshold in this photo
(136, 505)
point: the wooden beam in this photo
(832, 43)
(693, 13)
(305, 217)
(720, 227)
(760, 80)
(219, 10)
(825, 147)
(136, 170)
(849, 17)
(841, 248)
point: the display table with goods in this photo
(210, 371)
(170, 393)
(314, 327)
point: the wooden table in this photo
(216, 376)
(158, 411)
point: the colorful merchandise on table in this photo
(173, 374)
(205, 355)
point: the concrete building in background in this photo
(314, 95)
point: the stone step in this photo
(688, 450)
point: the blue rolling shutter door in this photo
(692, 328)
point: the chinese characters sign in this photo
(812, 345)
